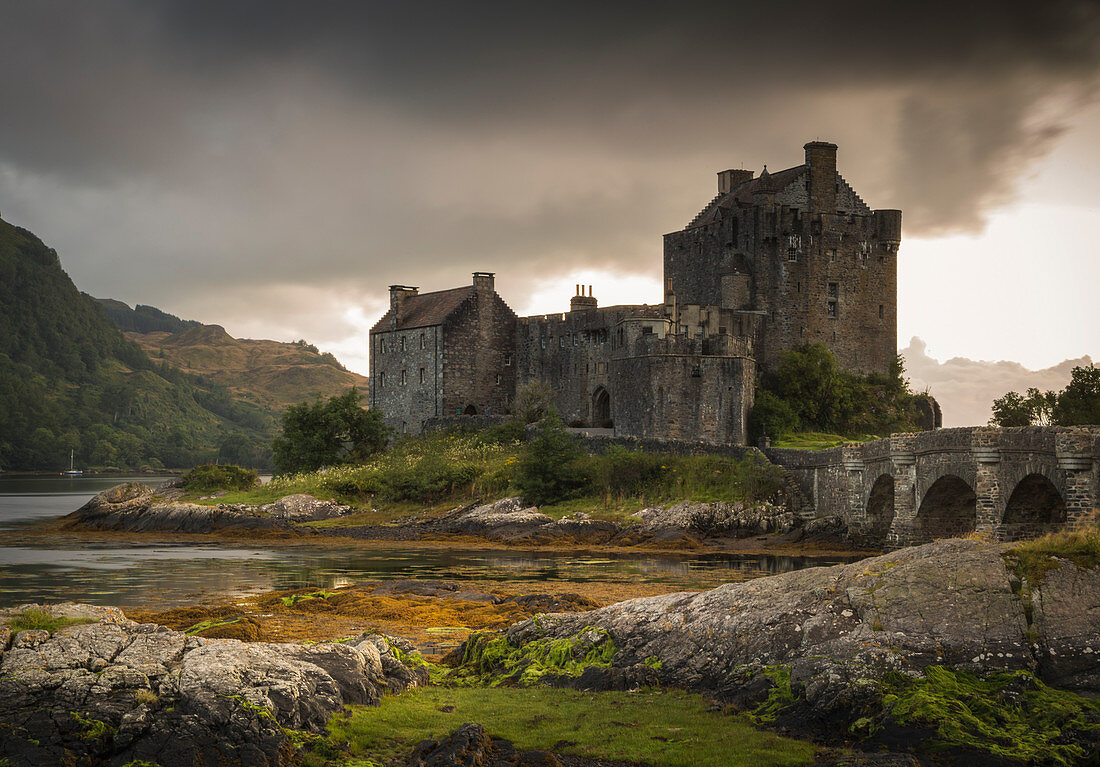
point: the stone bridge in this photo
(912, 488)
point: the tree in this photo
(327, 433)
(533, 401)
(1079, 402)
(1011, 409)
(548, 470)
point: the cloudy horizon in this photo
(272, 167)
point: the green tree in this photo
(327, 433)
(1079, 402)
(533, 401)
(1011, 409)
(548, 471)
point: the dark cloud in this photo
(157, 143)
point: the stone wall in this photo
(572, 353)
(406, 376)
(479, 359)
(1009, 483)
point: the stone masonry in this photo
(772, 262)
(912, 488)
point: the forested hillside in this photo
(270, 374)
(69, 380)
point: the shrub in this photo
(227, 477)
(548, 470)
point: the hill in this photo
(270, 374)
(70, 381)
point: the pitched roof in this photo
(742, 193)
(426, 309)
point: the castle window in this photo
(421, 340)
(507, 359)
(543, 339)
(381, 380)
(561, 341)
(498, 379)
(575, 337)
(880, 311)
(647, 330)
(402, 343)
(798, 287)
(404, 377)
(421, 376)
(834, 290)
(832, 255)
(830, 309)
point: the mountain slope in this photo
(272, 374)
(70, 381)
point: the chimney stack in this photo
(822, 184)
(398, 294)
(729, 179)
(484, 282)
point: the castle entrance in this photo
(601, 408)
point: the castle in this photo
(772, 262)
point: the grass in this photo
(435, 473)
(667, 728)
(39, 619)
(812, 440)
(1038, 555)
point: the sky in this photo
(273, 166)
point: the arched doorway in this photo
(470, 410)
(1035, 508)
(880, 509)
(601, 408)
(947, 511)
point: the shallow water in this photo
(35, 568)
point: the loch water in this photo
(37, 566)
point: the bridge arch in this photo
(880, 508)
(947, 509)
(1034, 508)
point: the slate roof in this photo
(426, 309)
(742, 193)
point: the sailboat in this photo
(72, 472)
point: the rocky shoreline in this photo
(828, 653)
(135, 507)
(115, 692)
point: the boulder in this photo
(469, 745)
(719, 520)
(118, 691)
(301, 507)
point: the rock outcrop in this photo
(114, 691)
(134, 507)
(952, 602)
(821, 643)
(470, 745)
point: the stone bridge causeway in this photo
(912, 488)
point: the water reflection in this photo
(33, 569)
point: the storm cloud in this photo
(276, 164)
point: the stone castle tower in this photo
(773, 262)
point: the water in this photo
(48, 565)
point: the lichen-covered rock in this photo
(469, 745)
(720, 520)
(301, 507)
(946, 603)
(117, 691)
(400, 661)
(135, 507)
